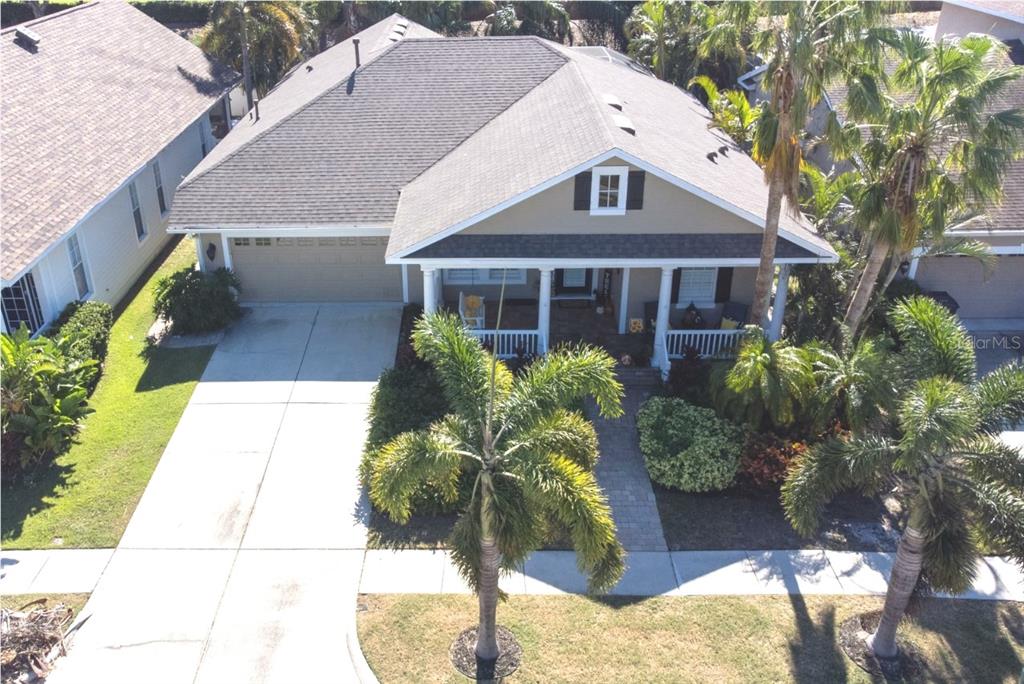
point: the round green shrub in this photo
(197, 302)
(688, 447)
(88, 324)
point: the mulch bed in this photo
(746, 518)
(908, 664)
(463, 655)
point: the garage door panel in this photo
(1000, 296)
(345, 270)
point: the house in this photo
(104, 111)
(403, 166)
(1003, 19)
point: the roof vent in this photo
(395, 36)
(612, 101)
(27, 37)
(400, 28)
(624, 122)
(403, 23)
(355, 44)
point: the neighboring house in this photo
(1003, 19)
(104, 111)
(438, 167)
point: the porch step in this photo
(638, 377)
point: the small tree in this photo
(530, 456)
(957, 481)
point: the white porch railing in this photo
(708, 343)
(508, 344)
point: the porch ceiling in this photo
(653, 246)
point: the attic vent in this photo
(612, 101)
(394, 36)
(624, 122)
(403, 24)
(27, 37)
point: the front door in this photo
(574, 282)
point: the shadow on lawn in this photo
(28, 495)
(974, 645)
(166, 367)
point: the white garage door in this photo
(349, 269)
(1001, 296)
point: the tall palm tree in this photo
(651, 32)
(957, 481)
(530, 456)
(806, 45)
(731, 111)
(261, 39)
(926, 157)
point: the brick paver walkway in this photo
(623, 476)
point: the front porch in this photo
(645, 314)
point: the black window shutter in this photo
(723, 287)
(581, 196)
(635, 190)
(559, 275)
(677, 277)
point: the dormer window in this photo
(608, 189)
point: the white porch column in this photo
(544, 310)
(429, 291)
(624, 302)
(405, 283)
(197, 239)
(779, 305)
(661, 322)
(225, 243)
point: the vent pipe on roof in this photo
(355, 44)
(256, 109)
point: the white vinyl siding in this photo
(78, 267)
(697, 285)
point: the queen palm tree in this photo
(925, 157)
(530, 458)
(806, 45)
(261, 39)
(940, 452)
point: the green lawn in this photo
(87, 499)
(685, 639)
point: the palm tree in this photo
(853, 382)
(545, 18)
(651, 33)
(928, 157)
(261, 39)
(957, 481)
(768, 383)
(529, 455)
(806, 47)
(730, 110)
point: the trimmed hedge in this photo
(197, 302)
(88, 324)
(688, 447)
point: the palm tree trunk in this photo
(487, 593)
(766, 268)
(866, 286)
(902, 581)
(246, 67)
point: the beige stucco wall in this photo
(960, 21)
(667, 209)
(1001, 295)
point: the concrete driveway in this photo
(242, 560)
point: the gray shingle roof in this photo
(607, 246)
(106, 89)
(457, 126)
(343, 157)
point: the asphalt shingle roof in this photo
(104, 91)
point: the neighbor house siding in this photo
(1000, 295)
(666, 209)
(961, 21)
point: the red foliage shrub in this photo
(766, 458)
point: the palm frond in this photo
(406, 463)
(1000, 396)
(950, 551)
(933, 340)
(989, 459)
(934, 414)
(566, 433)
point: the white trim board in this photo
(241, 230)
(596, 161)
(595, 263)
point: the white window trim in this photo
(158, 186)
(595, 183)
(133, 199)
(85, 265)
(482, 276)
(703, 303)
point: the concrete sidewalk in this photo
(63, 571)
(680, 573)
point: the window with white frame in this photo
(161, 200)
(78, 267)
(484, 276)
(240, 242)
(20, 303)
(140, 226)
(608, 190)
(262, 242)
(697, 285)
